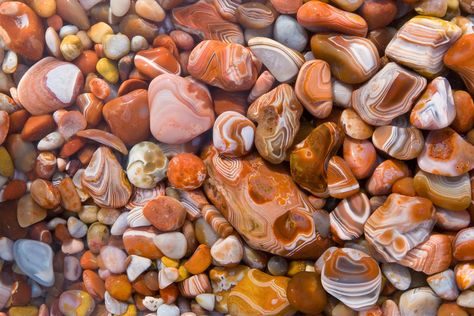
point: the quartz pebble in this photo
(35, 259)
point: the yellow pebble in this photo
(131, 310)
(71, 47)
(107, 69)
(44, 8)
(183, 274)
(6, 164)
(23, 311)
(170, 263)
(98, 31)
(296, 266)
(453, 5)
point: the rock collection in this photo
(236, 157)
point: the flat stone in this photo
(35, 259)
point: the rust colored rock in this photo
(21, 30)
(128, 117)
(186, 171)
(37, 127)
(165, 213)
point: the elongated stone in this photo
(435, 109)
(277, 114)
(460, 58)
(348, 218)
(309, 160)
(421, 43)
(105, 180)
(388, 94)
(202, 19)
(313, 88)
(318, 16)
(247, 192)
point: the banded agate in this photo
(353, 277)
(403, 143)
(105, 180)
(259, 293)
(264, 205)
(352, 59)
(309, 160)
(313, 88)
(399, 225)
(421, 43)
(430, 257)
(452, 193)
(388, 94)
(341, 180)
(233, 134)
(283, 62)
(231, 67)
(446, 153)
(348, 218)
(277, 114)
(203, 20)
(227, 8)
(435, 109)
(318, 16)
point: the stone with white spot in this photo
(50, 85)
(152, 303)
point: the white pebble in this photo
(120, 225)
(114, 306)
(116, 46)
(206, 301)
(139, 43)
(152, 303)
(6, 249)
(167, 310)
(53, 42)
(51, 141)
(10, 62)
(173, 245)
(68, 30)
(119, 7)
(137, 266)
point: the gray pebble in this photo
(288, 32)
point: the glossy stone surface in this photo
(156, 61)
(282, 62)
(233, 134)
(452, 193)
(340, 179)
(385, 175)
(459, 58)
(180, 109)
(446, 153)
(254, 15)
(128, 116)
(305, 293)
(285, 225)
(348, 218)
(318, 16)
(76, 302)
(259, 292)
(421, 43)
(463, 243)
(105, 180)
(229, 66)
(277, 114)
(313, 88)
(49, 85)
(165, 213)
(399, 225)
(186, 171)
(352, 59)
(353, 277)
(203, 19)
(435, 109)
(388, 94)
(403, 143)
(35, 259)
(309, 160)
(21, 30)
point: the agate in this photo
(233, 134)
(229, 66)
(399, 225)
(105, 181)
(264, 205)
(277, 114)
(49, 85)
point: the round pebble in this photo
(287, 31)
